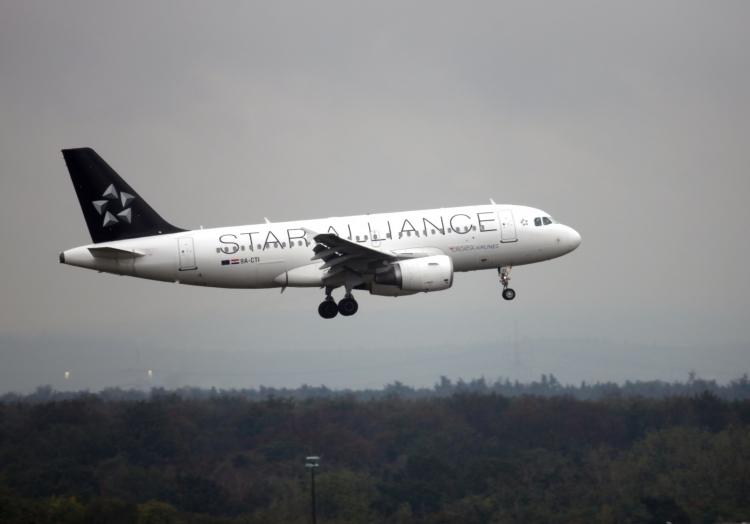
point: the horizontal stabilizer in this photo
(114, 253)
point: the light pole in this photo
(312, 463)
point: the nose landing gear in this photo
(508, 293)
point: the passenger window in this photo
(218, 250)
(433, 231)
(365, 238)
(242, 248)
(299, 243)
(357, 238)
(473, 228)
(449, 230)
(537, 221)
(547, 221)
(408, 233)
(388, 236)
(260, 247)
(466, 229)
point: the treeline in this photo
(547, 386)
(468, 457)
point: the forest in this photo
(459, 454)
(547, 386)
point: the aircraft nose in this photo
(575, 238)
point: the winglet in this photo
(493, 202)
(267, 221)
(310, 233)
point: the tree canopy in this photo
(470, 457)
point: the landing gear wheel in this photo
(509, 294)
(348, 306)
(328, 309)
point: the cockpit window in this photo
(537, 222)
(547, 221)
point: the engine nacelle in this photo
(434, 273)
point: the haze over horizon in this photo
(627, 122)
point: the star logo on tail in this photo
(110, 196)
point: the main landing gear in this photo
(328, 308)
(508, 293)
(348, 306)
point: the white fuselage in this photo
(278, 254)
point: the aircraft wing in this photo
(339, 254)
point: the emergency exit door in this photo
(187, 253)
(507, 226)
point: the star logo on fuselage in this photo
(109, 197)
(524, 222)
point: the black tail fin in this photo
(112, 209)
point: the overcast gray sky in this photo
(627, 121)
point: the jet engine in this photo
(433, 273)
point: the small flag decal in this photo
(225, 262)
(235, 261)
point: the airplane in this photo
(389, 254)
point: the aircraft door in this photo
(507, 226)
(187, 253)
